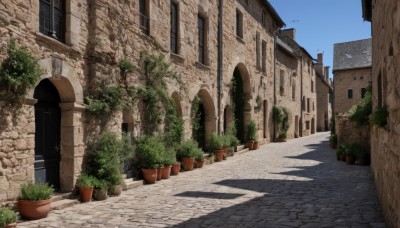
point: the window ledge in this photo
(240, 39)
(53, 42)
(177, 58)
(202, 66)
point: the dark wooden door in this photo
(47, 136)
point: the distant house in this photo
(352, 72)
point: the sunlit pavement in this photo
(294, 184)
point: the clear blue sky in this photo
(320, 24)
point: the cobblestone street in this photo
(293, 184)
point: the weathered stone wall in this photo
(348, 133)
(355, 79)
(385, 142)
(323, 87)
(309, 99)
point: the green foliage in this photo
(282, 134)
(125, 65)
(19, 71)
(100, 184)
(199, 155)
(36, 191)
(149, 151)
(232, 140)
(333, 139)
(187, 149)
(216, 142)
(174, 126)
(238, 104)
(252, 131)
(333, 126)
(380, 116)
(7, 216)
(106, 156)
(197, 126)
(85, 180)
(106, 98)
(281, 117)
(360, 112)
(169, 157)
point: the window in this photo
(312, 86)
(174, 27)
(258, 54)
(264, 18)
(282, 82)
(239, 24)
(52, 19)
(293, 90)
(363, 91)
(144, 16)
(264, 56)
(201, 28)
(308, 104)
(350, 94)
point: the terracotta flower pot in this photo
(149, 176)
(165, 172)
(188, 163)
(256, 145)
(159, 173)
(250, 145)
(34, 209)
(116, 191)
(175, 168)
(349, 159)
(86, 193)
(12, 225)
(219, 155)
(199, 163)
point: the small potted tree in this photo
(252, 138)
(85, 183)
(333, 141)
(282, 135)
(148, 152)
(8, 218)
(199, 159)
(34, 201)
(216, 145)
(100, 189)
(233, 143)
(187, 152)
(350, 152)
(169, 158)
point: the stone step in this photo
(132, 183)
(240, 147)
(61, 196)
(63, 203)
(244, 150)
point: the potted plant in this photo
(282, 135)
(175, 168)
(8, 218)
(362, 155)
(186, 152)
(148, 152)
(333, 141)
(100, 189)
(85, 183)
(216, 144)
(199, 159)
(252, 138)
(34, 201)
(116, 186)
(169, 158)
(233, 143)
(349, 152)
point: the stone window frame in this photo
(205, 60)
(72, 25)
(177, 50)
(264, 56)
(239, 23)
(349, 94)
(50, 13)
(144, 17)
(282, 82)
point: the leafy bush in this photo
(169, 157)
(7, 216)
(125, 65)
(282, 134)
(100, 184)
(36, 191)
(233, 141)
(216, 142)
(379, 117)
(281, 117)
(187, 149)
(85, 180)
(19, 71)
(199, 155)
(252, 131)
(360, 112)
(149, 150)
(333, 139)
(106, 157)
(106, 99)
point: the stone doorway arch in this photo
(65, 80)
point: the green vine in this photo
(19, 71)
(360, 112)
(281, 117)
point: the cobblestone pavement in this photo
(293, 184)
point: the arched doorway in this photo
(47, 137)
(240, 92)
(203, 118)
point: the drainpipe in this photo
(220, 62)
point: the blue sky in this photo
(320, 24)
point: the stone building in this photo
(385, 144)
(324, 95)
(352, 72)
(295, 84)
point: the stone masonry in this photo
(324, 95)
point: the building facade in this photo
(211, 46)
(385, 154)
(352, 72)
(324, 95)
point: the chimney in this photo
(319, 66)
(290, 33)
(326, 69)
(321, 58)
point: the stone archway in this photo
(207, 120)
(241, 96)
(64, 78)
